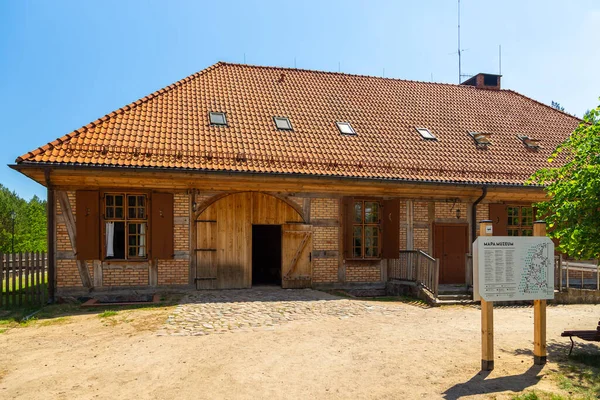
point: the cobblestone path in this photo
(222, 311)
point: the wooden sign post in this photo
(539, 313)
(491, 287)
(487, 316)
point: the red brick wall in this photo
(325, 211)
(363, 273)
(125, 275)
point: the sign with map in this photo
(509, 268)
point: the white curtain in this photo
(142, 250)
(110, 239)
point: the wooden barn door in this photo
(206, 251)
(296, 257)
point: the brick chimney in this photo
(484, 81)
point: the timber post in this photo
(487, 316)
(51, 228)
(539, 313)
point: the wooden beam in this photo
(71, 178)
(65, 206)
(539, 313)
(51, 231)
(487, 319)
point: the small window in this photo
(529, 142)
(520, 221)
(481, 138)
(345, 128)
(426, 134)
(366, 229)
(218, 118)
(125, 226)
(283, 123)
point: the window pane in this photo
(358, 211)
(371, 241)
(371, 212)
(131, 201)
(119, 200)
(217, 118)
(114, 241)
(110, 200)
(119, 212)
(357, 241)
(141, 214)
(110, 212)
(513, 216)
(527, 232)
(513, 232)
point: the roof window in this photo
(426, 134)
(345, 128)
(218, 118)
(481, 138)
(283, 123)
(530, 142)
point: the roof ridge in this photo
(543, 104)
(119, 111)
(346, 74)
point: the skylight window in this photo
(283, 123)
(218, 118)
(530, 142)
(481, 138)
(345, 128)
(426, 134)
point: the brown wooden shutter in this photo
(499, 218)
(391, 228)
(348, 208)
(87, 224)
(162, 226)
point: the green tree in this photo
(29, 223)
(573, 209)
(556, 104)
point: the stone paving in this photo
(223, 311)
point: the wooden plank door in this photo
(206, 250)
(296, 257)
(450, 246)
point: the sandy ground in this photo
(416, 354)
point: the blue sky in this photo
(64, 64)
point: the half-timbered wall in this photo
(174, 271)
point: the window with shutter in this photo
(125, 226)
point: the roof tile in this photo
(170, 128)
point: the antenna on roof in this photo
(499, 59)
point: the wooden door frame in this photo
(449, 224)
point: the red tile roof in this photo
(170, 128)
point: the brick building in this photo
(242, 175)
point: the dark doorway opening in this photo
(266, 255)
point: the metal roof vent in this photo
(530, 142)
(481, 138)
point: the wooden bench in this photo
(589, 336)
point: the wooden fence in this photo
(24, 278)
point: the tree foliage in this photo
(556, 104)
(29, 223)
(573, 209)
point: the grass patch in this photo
(108, 313)
(537, 395)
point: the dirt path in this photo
(415, 353)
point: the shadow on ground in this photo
(579, 372)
